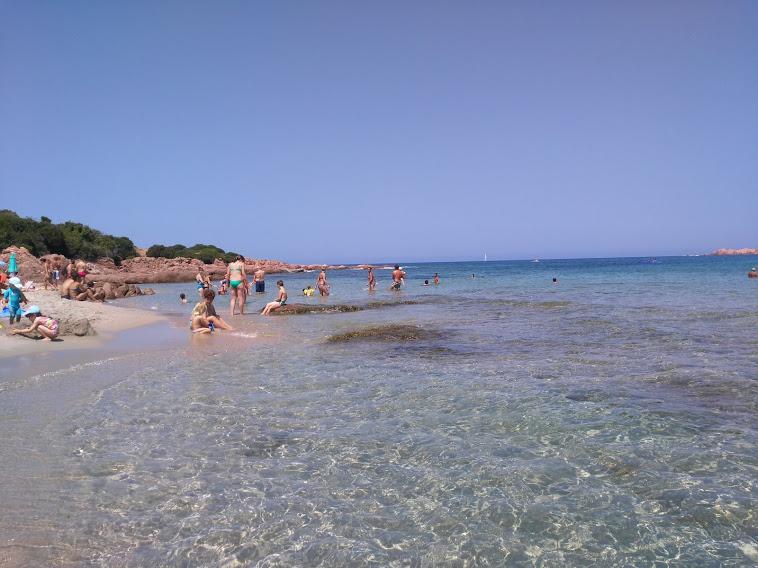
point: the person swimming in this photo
(281, 300)
(183, 298)
(308, 291)
(426, 283)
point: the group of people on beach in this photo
(205, 319)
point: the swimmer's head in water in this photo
(209, 294)
(280, 282)
(182, 296)
(426, 281)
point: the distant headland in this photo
(734, 252)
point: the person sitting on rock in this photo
(204, 317)
(281, 300)
(46, 326)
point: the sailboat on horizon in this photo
(485, 257)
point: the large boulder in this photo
(78, 326)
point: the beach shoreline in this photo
(107, 319)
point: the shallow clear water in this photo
(609, 419)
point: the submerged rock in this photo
(300, 309)
(392, 332)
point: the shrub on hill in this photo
(72, 240)
(204, 253)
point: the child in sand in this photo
(13, 298)
(46, 326)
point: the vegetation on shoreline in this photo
(72, 240)
(205, 253)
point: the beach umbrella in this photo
(12, 266)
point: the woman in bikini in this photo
(281, 300)
(235, 275)
(46, 326)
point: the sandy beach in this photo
(107, 319)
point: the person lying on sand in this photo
(46, 326)
(281, 300)
(204, 316)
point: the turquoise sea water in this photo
(609, 419)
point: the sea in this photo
(607, 419)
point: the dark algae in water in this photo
(392, 332)
(301, 309)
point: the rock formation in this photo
(733, 252)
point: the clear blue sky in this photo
(367, 131)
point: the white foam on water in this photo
(749, 549)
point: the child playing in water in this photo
(281, 300)
(47, 327)
(183, 298)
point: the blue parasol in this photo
(12, 267)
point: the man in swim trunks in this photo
(322, 284)
(235, 275)
(398, 278)
(259, 279)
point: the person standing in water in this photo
(281, 300)
(235, 275)
(398, 278)
(371, 279)
(436, 279)
(322, 284)
(202, 281)
(259, 279)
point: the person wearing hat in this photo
(46, 326)
(13, 298)
(753, 273)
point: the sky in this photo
(343, 131)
